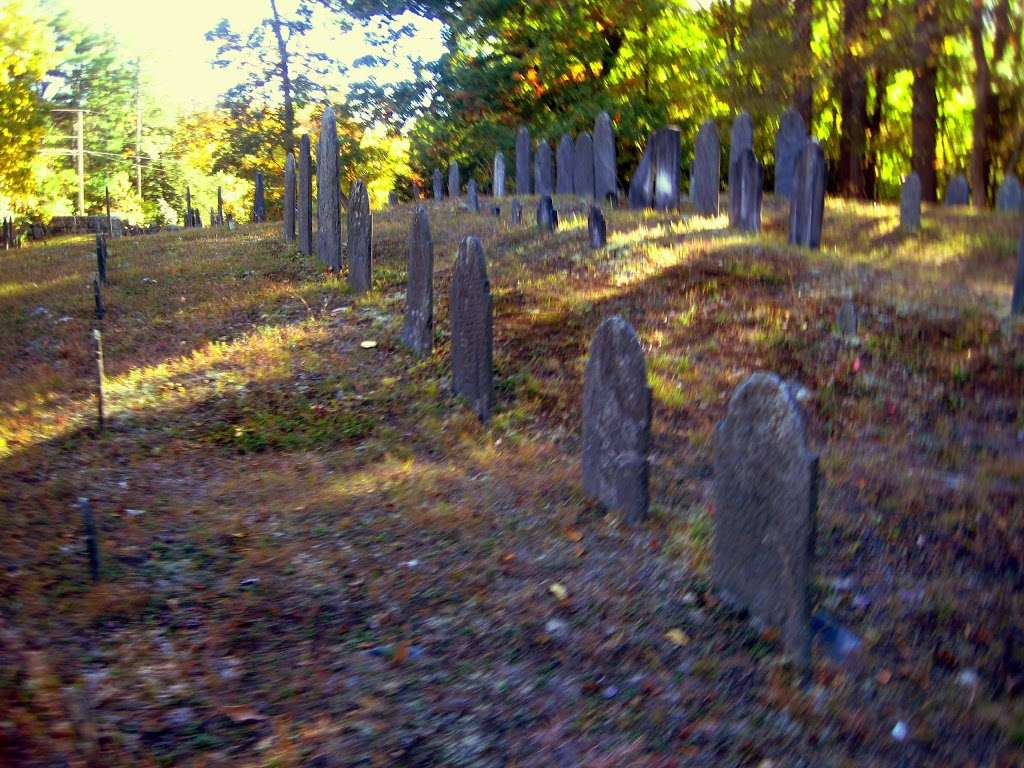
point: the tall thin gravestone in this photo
(418, 331)
(498, 182)
(305, 197)
(583, 166)
(597, 231)
(188, 207)
(517, 212)
(360, 238)
(1017, 302)
(641, 186)
(438, 185)
(454, 181)
(328, 196)
(259, 205)
(470, 312)
(741, 138)
(707, 174)
(101, 258)
(220, 208)
(543, 183)
(564, 165)
(547, 216)
(665, 166)
(617, 421)
(807, 205)
(606, 183)
(766, 496)
(745, 190)
(1010, 197)
(910, 202)
(289, 198)
(524, 166)
(472, 198)
(958, 192)
(789, 143)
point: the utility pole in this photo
(80, 131)
(138, 129)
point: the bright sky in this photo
(169, 38)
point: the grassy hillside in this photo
(312, 554)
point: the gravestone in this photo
(543, 183)
(188, 207)
(746, 181)
(517, 212)
(741, 138)
(766, 496)
(958, 192)
(1017, 302)
(470, 314)
(564, 165)
(524, 167)
(305, 198)
(259, 205)
(110, 223)
(328, 197)
(498, 185)
(617, 421)
(392, 199)
(789, 143)
(454, 181)
(1010, 197)
(418, 331)
(846, 320)
(496, 211)
(641, 186)
(197, 219)
(807, 205)
(438, 185)
(706, 176)
(472, 199)
(220, 207)
(597, 231)
(289, 198)
(547, 216)
(583, 166)
(910, 202)
(360, 239)
(665, 155)
(606, 180)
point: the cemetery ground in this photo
(312, 554)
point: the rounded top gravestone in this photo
(605, 177)
(789, 143)
(1010, 197)
(707, 172)
(498, 182)
(910, 202)
(564, 165)
(583, 166)
(741, 138)
(543, 181)
(454, 180)
(958, 192)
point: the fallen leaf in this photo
(401, 654)
(560, 592)
(677, 636)
(243, 714)
(573, 534)
(884, 677)
(368, 344)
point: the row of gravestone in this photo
(194, 219)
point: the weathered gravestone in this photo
(665, 155)
(766, 495)
(188, 207)
(807, 205)
(746, 182)
(454, 181)
(846, 320)
(789, 143)
(706, 174)
(470, 313)
(498, 185)
(517, 212)
(583, 166)
(418, 331)
(472, 198)
(259, 206)
(360, 239)
(617, 421)
(1010, 197)
(910, 202)
(220, 207)
(606, 182)
(597, 231)
(392, 199)
(547, 216)
(496, 211)
(641, 186)
(564, 165)
(289, 199)
(543, 182)
(438, 185)
(197, 219)
(741, 138)
(958, 192)
(305, 198)
(523, 165)
(328, 197)
(1017, 302)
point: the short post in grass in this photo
(92, 549)
(97, 296)
(97, 337)
(101, 258)
(110, 223)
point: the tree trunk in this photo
(803, 96)
(985, 126)
(874, 125)
(286, 82)
(924, 115)
(853, 94)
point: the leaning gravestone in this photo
(583, 166)
(259, 206)
(547, 216)
(766, 496)
(438, 185)
(328, 196)
(418, 331)
(564, 165)
(523, 165)
(746, 180)
(641, 186)
(789, 143)
(597, 231)
(707, 173)
(360, 239)
(807, 205)
(472, 199)
(958, 192)
(1010, 197)
(665, 154)
(517, 212)
(1017, 302)
(910, 202)
(617, 421)
(606, 182)
(289, 198)
(543, 183)
(454, 181)
(741, 138)
(498, 185)
(305, 198)
(470, 313)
